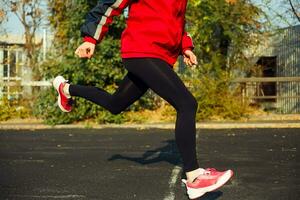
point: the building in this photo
(15, 76)
(12, 66)
(277, 83)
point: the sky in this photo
(13, 26)
(276, 8)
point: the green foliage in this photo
(217, 97)
(221, 31)
(104, 70)
(12, 109)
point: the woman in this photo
(150, 44)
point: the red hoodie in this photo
(155, 28)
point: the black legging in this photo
(145, 73)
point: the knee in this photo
(193, 104)
(114, 106)
(115, 110)
(190, 105)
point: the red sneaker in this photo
(209, 181)
(64, 103)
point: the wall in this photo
(287, 50)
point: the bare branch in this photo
(30, 15)
(294, 10)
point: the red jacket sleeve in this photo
(100, 17)
(187, 42)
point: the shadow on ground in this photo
(211, 196)
(167, 153)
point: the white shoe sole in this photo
(196, 193)
(56, 83)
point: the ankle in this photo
(192, 175)
(66, 90)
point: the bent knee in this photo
(189, 105)
(193, 104)
(116, 111)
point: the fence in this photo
(283, 92)
(8, 84)
(284, 95)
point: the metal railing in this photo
(27, 83)
(285, 95)
(257, 81)
(7, 86)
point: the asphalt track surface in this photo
(123, 164)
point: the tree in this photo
(30, 14)
(3, 14)
(279, 13)
(104, 70)
(222, 30)
(295, 5)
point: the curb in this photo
(210, 125)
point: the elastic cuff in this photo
(187, 48)
(90, 40)
(193, 167)
(72, 90)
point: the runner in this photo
(150, 45)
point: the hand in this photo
(190, 58)
(85, 50)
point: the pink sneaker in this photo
(209, 181)
(64, 103)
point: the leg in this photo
(161, 78)
(130, 89)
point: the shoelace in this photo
(209, 171)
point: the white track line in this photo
(172, 183)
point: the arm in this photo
(96, 25)
(100, 17)
(187, 42)
(187, 47)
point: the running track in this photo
(123, 164)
